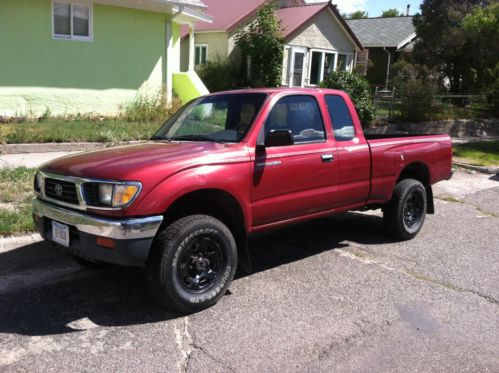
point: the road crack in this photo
(188, 346)
(415, 275)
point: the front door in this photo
(298, 179)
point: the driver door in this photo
(297, 179)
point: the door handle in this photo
(327, 158)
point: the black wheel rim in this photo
(413, 210)
(200, 264)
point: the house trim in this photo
(407, 40)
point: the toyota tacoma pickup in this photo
(225, 166)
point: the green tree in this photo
(443, 42)
(415, 86)
(359, 14)
(482, 30)
(262, 46)
(391, 13)
(357, 88)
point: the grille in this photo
(68, 195)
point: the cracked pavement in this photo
(330, 295)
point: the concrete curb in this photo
(483, 170)
(8, 243)
(58, 147)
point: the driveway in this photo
(330, 295)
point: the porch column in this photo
(191, 47)
(169, 63)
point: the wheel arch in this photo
(218, 204)
(421, 172)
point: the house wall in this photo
(322, 32)
(376, 74)
(217, 44)
(217, 47)
(37, 72)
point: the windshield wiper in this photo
(196, 138)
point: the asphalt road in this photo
(330, 295)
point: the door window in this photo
(339, 113)
(299, 114)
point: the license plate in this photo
(60, 233)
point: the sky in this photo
(375, 7)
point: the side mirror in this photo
(278, 138)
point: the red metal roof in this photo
(292, 18)
(227, 14)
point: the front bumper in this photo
(133, 236)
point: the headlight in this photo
(110, 194)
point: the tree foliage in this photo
(482, 29)
(359, 14)
(357, 88)
(444, 43)
(415, 85)
(220, 75)
(262, 46)
(391, 13)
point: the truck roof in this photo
(281, 89)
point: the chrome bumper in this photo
(131, 228)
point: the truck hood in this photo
(137, 162)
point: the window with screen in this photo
(339, 113)
(299, 114)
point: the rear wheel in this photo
(192, 263)
(404, 215)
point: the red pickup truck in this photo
(225, 166)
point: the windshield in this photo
(220, 118)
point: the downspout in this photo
(387, 68)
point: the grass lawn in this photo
(54, 130)
(484, 153)
(15, 200)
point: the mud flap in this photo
(430, 207)
(243, 257)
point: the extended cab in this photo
(225, 166)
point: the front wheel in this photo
(405, 213)
(192, 263)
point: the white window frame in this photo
(89, 5)
(322, 52)
(200, 54)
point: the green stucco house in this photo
(93, 56)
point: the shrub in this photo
(220, 75)
(415, 87)
(357, 88)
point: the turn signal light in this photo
(106, 242)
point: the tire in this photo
(192, 263)
(404, 215)
(88, 264)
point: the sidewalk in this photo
(29, 160)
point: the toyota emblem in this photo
(58, 190)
